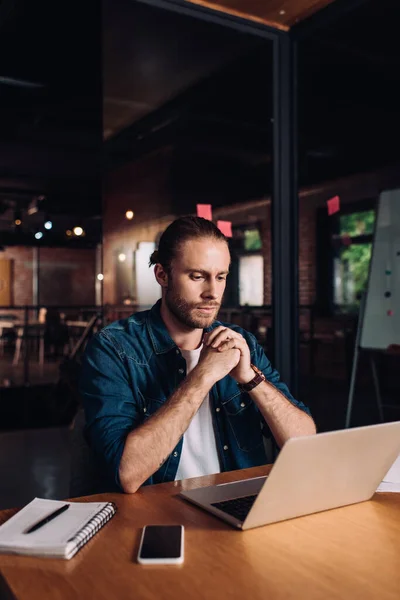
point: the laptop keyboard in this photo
(237, 507)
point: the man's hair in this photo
(178, 232)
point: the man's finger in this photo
(227, 345)
(239, 344)
(213, 334)
(223, 336)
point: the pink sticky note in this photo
(225, 227)
(333, 205)
(204, 210)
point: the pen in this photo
(49, 517)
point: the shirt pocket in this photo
(148, 404)
(244, 421)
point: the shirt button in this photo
(242, 404)
(175, 454)
(225, 447)
(145, 410)
(217, 409)
(177, 351)
(181, 371)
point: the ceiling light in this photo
(78, 231)
(121, 257)
(68, 232)
(17, 217)
(48, 225)
(38, 235)
(100, 276)
(129, 214)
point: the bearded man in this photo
(171, 392)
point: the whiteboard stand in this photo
(357, 350)
(378, 327)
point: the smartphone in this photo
(161, 545)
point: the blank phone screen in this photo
(162, 541)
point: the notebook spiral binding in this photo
(92, 527)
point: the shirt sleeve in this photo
(111, 411)
(260, 360)
(272, 375)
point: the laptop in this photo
(311, 474)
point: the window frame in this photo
(232, 294)
(327, 228)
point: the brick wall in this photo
(67, 276)
(307, 250)
(21, 273)
(143, 187)
(121, 235)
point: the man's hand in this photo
(222, 339)
(148, 445)
(214, 364)
(283, 418)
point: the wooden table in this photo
(347, 553)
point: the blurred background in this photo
(117, 117)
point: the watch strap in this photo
(257, 379)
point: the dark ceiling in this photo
(220, 126)
(151, 56)
(50, 111)
(171, 81)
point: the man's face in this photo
(197, 281)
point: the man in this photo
(171, 393)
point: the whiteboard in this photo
(381, 322)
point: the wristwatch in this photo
(259, 377)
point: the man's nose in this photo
(210, 291)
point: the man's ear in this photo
(161, 275)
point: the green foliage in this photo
(359, 223)
(358, 257)
(252, 239)
(355, 258)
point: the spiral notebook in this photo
(60, 537)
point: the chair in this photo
(6, 332)
(34, 331)
(55, 333)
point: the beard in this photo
(186, 313)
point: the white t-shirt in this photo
(199, 452)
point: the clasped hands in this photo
(222, 340)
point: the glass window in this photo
(252, 240)
(251, 280)
(351, 263)
(358, 223)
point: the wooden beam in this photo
(279, 14)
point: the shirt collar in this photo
(161, 340)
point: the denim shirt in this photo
(132, 366)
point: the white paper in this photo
(53, 537)
(391, 481)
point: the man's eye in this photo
(196, 277)
(222, 278)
